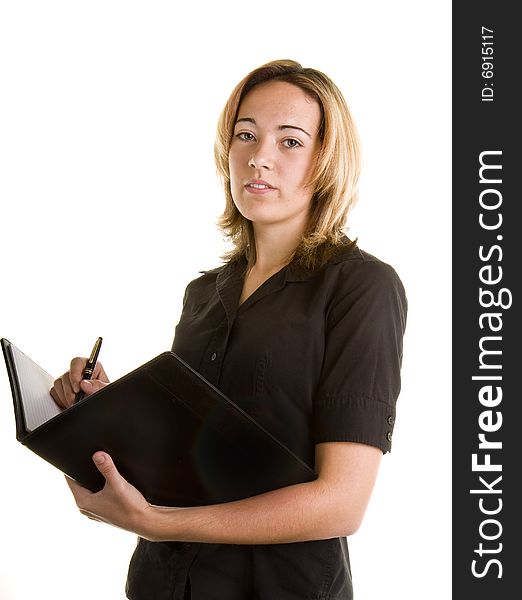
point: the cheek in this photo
(298, 172)
(234, 162)
(235, 158)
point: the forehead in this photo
(280, 103)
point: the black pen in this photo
(89, 367)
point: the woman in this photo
(302, 329)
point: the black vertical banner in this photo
(487, 331)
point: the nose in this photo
(262, 157)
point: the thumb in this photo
(89, 386)
(105, 466)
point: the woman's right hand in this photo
(66, 387)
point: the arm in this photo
(331, 506)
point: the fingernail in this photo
(87, 383)
(99, 459)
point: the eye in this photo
(292, 143)
(245, 136)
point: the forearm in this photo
(302, 512)
(330, 506)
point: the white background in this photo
(108, 200)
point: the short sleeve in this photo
(360, 378)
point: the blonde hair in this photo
(335, 176)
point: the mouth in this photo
(257, 186)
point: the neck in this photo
(275, 248)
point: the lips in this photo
(258, 185)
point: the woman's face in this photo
(273, 153)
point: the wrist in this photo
(152, 525)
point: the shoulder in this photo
(355, 270)
(205, 284)
(208, 275)
(205, 280)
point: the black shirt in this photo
(313, 356)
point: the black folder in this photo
(170, 432)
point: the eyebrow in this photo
(281, 127)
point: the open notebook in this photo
(171, 433)
(33, 385)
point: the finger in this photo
(64, 390)
(106, 467)
(70, 384)
(76, 372)
(57, 393)
(89, 386)
(99, 373)
(91, 516)
(69, 389)
(78, 491)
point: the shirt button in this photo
(213, 357)
(390, 420)
(389, 436)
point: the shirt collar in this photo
(229, 279)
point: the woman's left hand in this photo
(119, 503)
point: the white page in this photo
(37, 403)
